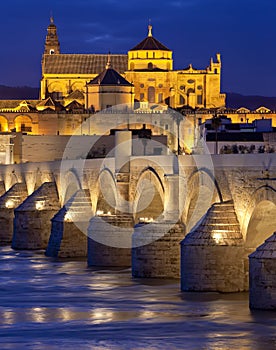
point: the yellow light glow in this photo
(67, 217)
(10, 204)
(217, 237)
(39, 205)
(99, 212)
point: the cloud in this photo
(104, 37)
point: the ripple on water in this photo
(53, 304)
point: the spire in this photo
(108, 64)
(150, 29)
(51, 19)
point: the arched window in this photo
(23, 123)
(181, 100)
(190, 91)
(150, 66)
(151, 94)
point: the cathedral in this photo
(147, 69)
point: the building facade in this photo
(148, 66)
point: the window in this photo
(181, 100)
(150, 66)
(160, 97)
(199, 99)
(151, 94)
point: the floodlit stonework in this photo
(148, 66)
(262, 276)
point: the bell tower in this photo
(51, 43)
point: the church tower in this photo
(51, 43)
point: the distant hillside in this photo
(233, 100)
(18, 93)
(251, 102)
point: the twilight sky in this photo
(243, 31)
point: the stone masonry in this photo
(212, 253)
(32, 221)
(262, 276)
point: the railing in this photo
(26, 129)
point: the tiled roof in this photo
(75, 95)
(109, 77)
(150, 43)
(48, 102)
(82, 63)
(15, 103)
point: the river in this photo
(61, 304)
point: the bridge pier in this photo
(32, 221)
(212, 255)
(69, 227)
(156, 245)
(8, 202)
(262, 276)
(156, 249)
(109, 240)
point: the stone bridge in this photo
(136, 211)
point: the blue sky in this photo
(243, 31)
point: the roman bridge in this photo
(136, 211)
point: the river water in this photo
(60, 304)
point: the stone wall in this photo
(109, 240)
(32, 221)
(156, 250)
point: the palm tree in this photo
(216, 122)
(177, 117)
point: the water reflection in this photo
(63, 304)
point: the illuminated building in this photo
(148, 66)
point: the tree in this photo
(216, 123)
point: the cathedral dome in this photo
(150, 43)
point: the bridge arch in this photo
(149, 195)
(202, 191)
(104, 197)
(11, 178)
(260, 219)
(70, 185)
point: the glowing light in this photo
(39, 205)
(10, 204)
(67, 217)
(146, 220)
(101, 315)
(109, 213)
(217, 237)
(99, 212)
(38, 314)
